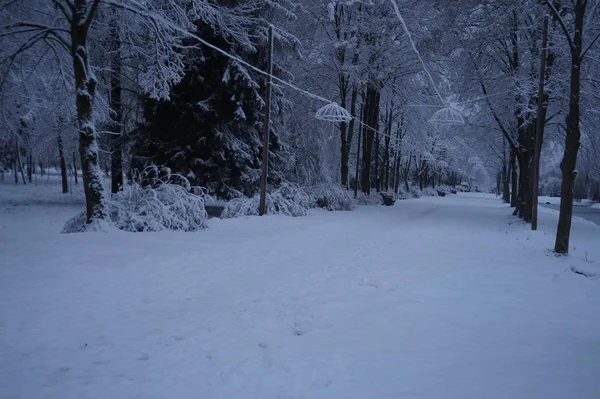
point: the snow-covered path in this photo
(432, 298)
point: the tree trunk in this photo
(569, 162)
(371, 117)
(386, 154)
(524, 192)
(407, 173)
(63, 166)
(16, 163)
(527, 140)
(344, 154)
(505, 184)
(30, 168)
(85, 88)
(398, 158)
(346, 135)
(505, 174)
(539, 128)
(376, 181)
(116, 167)
(19, 163)
(75, 168)
(514, 192)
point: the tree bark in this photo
(30, 168)
(116, 167)
(75, 168)
(505, 184)
(376, 181)
(539, 129)
(63, 166)
(569, 162)
(514, 192)
(505, 174)
(407, 173)
(16, 163)
(85, 86)
(371, 118)
(19, 164)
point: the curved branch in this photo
(562, 24)
(590, 45)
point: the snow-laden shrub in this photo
(156, 200)
(429, 192)
(77, 224)
(444, 189)
(364, 199)
(414, 192)
(332, 198)
(289, 200)
(164, 207)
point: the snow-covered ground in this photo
(431, 298)
(556, 201)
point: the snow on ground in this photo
(542, 199)
(431, 298)
(597, 206)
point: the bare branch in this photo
(562, 23)
(594, 40)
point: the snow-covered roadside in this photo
(436, 297)
(556, 201)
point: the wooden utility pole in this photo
(539, 130)
(356, 178)
(267, 129)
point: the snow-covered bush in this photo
(429, 192)
(332, 198)
(402, 194)
(414, 192)
(156, 200)
(364, 199)
(444, 189)
(289, 200)
(164, 207)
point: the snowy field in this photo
(432, 298)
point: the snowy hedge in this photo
(429, 192)
(332, 198)
(156, 200)
(287, 200)
(364, 199)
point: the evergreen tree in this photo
(210, 128)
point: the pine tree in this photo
(210, 128)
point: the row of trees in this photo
(508, 57)
(152, 84)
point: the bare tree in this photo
(573, 31)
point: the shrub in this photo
(287, 200)
(332, 198)
(429, 192)
(373, 199)
(156, 200)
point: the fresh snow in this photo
(556, 201)
(431, 298)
